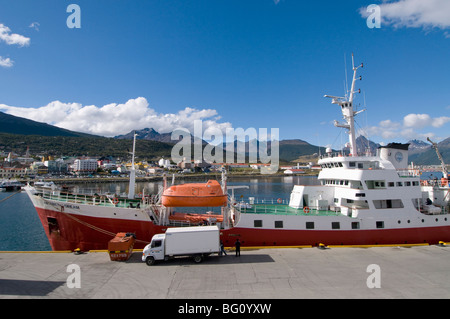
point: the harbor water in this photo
(21, 230)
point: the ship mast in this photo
(132, 171)
(348, 112)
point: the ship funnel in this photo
(396, 153)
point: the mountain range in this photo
(17, 133)
(18, 125)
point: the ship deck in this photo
(278, 209)
(91, 200)
(273, 209)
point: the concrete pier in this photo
(291, 273)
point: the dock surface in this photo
(288, 273)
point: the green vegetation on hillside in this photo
(78, 146)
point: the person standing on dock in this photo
(237, 244)
(222, 249)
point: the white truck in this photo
(197, 242)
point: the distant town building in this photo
(56, 166)
(12, 172)
(85, 166)
(155, 170)
(164, 163)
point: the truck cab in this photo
(155, 250)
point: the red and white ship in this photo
(363, 199)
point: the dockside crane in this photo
(444, 168)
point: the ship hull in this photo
(70, 231)
(272, 237)
(69, 226)
(94, 233)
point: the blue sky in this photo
(253, 63)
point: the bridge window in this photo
(388, 203)
(375, 184)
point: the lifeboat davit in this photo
(208, 194)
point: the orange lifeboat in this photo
(208, 194)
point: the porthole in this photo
(399, 222)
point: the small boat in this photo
(10, 185)
(208, 194)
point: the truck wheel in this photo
(150, 261)
(198, 259)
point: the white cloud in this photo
(12, 38)
(116, 119)
(425, 14)
(410, 128)
(424, 120)
(35, 25)
(6, 62)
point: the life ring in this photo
(115, 201)
(279, 200)
(306, 210)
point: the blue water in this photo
(21, 229)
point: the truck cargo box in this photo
(192, 240)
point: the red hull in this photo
(273, 237)
(92, 233)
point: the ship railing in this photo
(180, 223)
(340, 154)
(408, 172)
(435, 182)
(331, 155)
(261, 200)
(287, 210)
(150, 200)
(96, 200)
